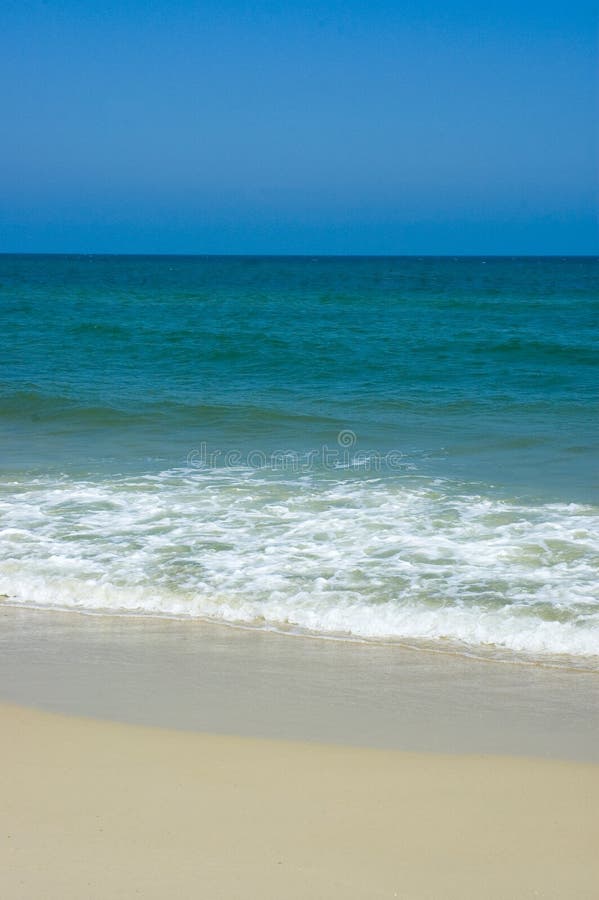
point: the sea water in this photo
(397, 449)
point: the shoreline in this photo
(443, 647)
(100, 809)
(197, 676)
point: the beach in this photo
(103, 810)
(385, 772)
(299, 432)
(298, 577)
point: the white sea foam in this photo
(371, 558)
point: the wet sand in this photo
(212, 678)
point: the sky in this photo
(259, 127)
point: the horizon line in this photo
(280, 255)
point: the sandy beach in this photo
(263, 766)
(95, 809)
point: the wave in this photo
(373, 558)
(534, 349)
(45, 407)
(39, 404)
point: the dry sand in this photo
(94, 809)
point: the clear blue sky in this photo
(337, 127)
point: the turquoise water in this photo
(393, 448)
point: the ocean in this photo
(388, 449)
